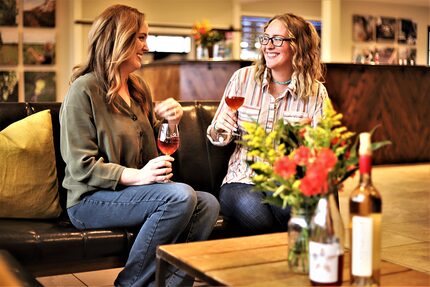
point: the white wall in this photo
(72, 38)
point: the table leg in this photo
(160, 274)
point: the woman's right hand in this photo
(226, 121)
(158, 169)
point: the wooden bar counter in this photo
(395, 97)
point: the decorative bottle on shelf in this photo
(365, 208)
(326, 244)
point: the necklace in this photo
(281, 83)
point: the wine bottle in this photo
(365, 208)
(326, 244)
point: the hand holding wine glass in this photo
(234, 101)
(168, 138)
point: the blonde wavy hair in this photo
(112, 40)
(307, 66)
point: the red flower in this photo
(326, 158)
(302, 155)
(284, 167)
(302, 133)
(334, 141)
(315, 180)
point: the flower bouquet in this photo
(299, 164)
(205, 36)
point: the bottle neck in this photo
(365, 164)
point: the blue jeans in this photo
(164, 213)
(244, 208)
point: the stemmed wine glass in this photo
(235, 101)
(168, 138)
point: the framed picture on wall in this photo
(407, 32)
(8, 46)
(386, 55)
(39, 86)
(363, 28)
(363, 54)
(8, 86)
(385, 29)
(39, 13)
(407, 55)
(39, 47)
(8, 13)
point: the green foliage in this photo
(282, 145)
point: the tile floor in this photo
(405, 193)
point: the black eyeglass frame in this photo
(273, 39)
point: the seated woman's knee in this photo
(184, 192)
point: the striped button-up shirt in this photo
(262, 107)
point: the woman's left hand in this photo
(169, 109)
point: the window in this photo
(252, 27)
(169, 44)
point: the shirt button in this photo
(141, 134)
(134, 118)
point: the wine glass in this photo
(235, 101)
(168, 138)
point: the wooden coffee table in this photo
(257, 260)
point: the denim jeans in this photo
(163, 213)
(244, 208)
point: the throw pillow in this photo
(28, 174)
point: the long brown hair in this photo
(307, 66)
(112, 40)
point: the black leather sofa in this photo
(54, 246)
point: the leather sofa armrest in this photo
(13, 274)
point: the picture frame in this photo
(8, 86)
(9, 40)
(40, 86)
(39, 48)
(407, 32)
(9, 13)
(385, 29)
(39, 13)
(363, 28)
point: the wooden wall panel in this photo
(207, 81)
(395, 97)
(163, 80)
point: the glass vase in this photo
(298, 240)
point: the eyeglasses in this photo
(276, 41)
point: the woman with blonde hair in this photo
(114, 176)
(284, 84)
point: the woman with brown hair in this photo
(114, 176)
(284, 84)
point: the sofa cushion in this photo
(28, 176)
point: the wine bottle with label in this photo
(365, 212)
(326, 244)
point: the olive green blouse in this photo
(98, 143)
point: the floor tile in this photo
(99, 278)
(60, 280)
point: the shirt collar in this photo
(291, 88)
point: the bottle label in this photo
(323, 262)
(362, 234)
